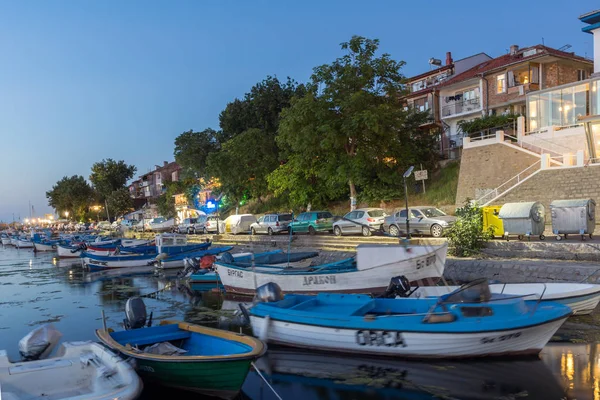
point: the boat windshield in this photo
(477, 291)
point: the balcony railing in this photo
(460, 107)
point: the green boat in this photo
(187, 356)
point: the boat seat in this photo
(439, 318)
(158, 338)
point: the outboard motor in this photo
(269, 293)
(399, 286)
(39, 343)
(190, 266)
(135, 314)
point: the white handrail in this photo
(497, 192)
(542, 150)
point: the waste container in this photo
(523, 219)
(577, 216)
(491, 220)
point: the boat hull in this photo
(44, 247)
(24, 244)
(520, 341)
(420, 265)
(67, 252)
(582, 298)
(219, 379)
(6, 241)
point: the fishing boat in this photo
(469, 322)
(24, 243)
(279, 259)
(185, 356)
(178, 260)
(78, 371)
(69, 251)
(143, 260)
(369, 273)
(582, 298)
(5, 239)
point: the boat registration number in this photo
(426, 262)
(500, 338)
(380, 338)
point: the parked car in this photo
(161, 224)
(211, 224)
(313, 222)
(103, 226)
(240, 223)
(423, 220)
(362, 220)
(127, 223)
(272, 223)
(193, 225)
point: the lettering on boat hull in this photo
(380, 338)
(318, 280)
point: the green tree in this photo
(248, 152)
(108, 176)
(120, 202)
(71, 194)
(166, 202)
(192, 149)
(351, 129)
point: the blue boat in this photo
(469, 322)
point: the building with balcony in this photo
(424, 89)
(153, 183)
(501, 85)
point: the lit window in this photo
(501, 83)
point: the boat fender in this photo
(264, 333)
(207, 261)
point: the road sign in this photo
(421, 175)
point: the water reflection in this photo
(304, 374)
(577, 366)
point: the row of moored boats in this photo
(384, 301)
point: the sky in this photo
(81, 81)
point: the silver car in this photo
(362, 220)
(272, 223)
(424, 220)
(193, 225)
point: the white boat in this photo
(5, 239)
(470, 322)
(44, 246)
(581, 297)
(14, 240)
(371, 273)
(24, 244)
(68, 251)
(79, 371)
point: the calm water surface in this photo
(37, 289)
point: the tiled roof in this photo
(428, 73)
(508, 59)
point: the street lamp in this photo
(66, 214)
(406, 175)
(97, 209)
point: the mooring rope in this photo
(264, 379)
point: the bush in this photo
(467, 236)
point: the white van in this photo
(240, 223)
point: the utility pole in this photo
(406, 175)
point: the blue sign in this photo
(210, 205)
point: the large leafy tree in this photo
(120, 202)
(108, 177)
(248, 152)
(351, 127)
(71, 194)
(192, 149)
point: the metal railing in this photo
(509, 184)
(460, 107)
(531, 147)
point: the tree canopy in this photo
(72, 194)
(109, 177)
(351, 128)
(192, 150)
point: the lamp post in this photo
(66, 214)
(406, 175)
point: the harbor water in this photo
(38, 288)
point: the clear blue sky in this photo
(85, 80)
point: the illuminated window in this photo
(501, 83)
